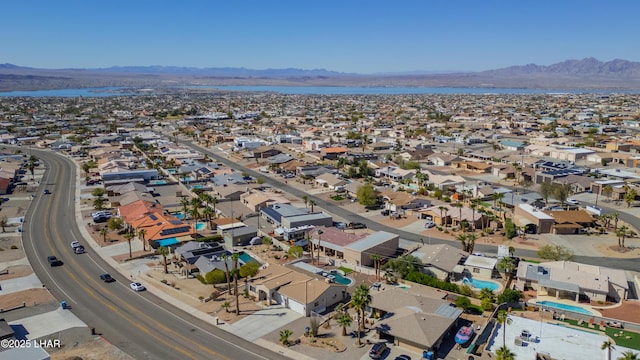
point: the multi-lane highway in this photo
(618, 263)
(140, 324)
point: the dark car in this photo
(385, 212)
(54, 261)
(377, 350)
(47, 192)
(107, 278)
(357, 225)
(403, 357)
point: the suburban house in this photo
(302, 293)
(536, 221)
(573, 281)
(289, 216)
(414, 319)
(441, 260)
(333, 153)
(570, 221)
(256, 200)
(482, 267)
(355, 248)
(401, 200)
(330, 181)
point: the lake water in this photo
(316, 90)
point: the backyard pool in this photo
(179, 216)
(479, 284)
(246, 258)
(200, 226)
(340, 278)
(576, 309)
(168, 241)
(157, 182)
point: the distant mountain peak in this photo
(584, 67)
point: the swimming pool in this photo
(200, 226)
(179, 216)
(479, 284)
(168, 241)
(560, 306)
(157, 182)
(340, 278)
(246, 258)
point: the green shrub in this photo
(215, 276)
(465, 290)
(249, 269)
(212, 238)
(463, 302)
(424, 279)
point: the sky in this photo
(351, 36)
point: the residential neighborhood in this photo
(352, 220)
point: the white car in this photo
(572, 201)
(136, 286)
(75, 244)
(429, 224)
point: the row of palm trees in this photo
(198, 207)
(360, 300)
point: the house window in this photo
(252, 288)
(476, 270)
(315, 304)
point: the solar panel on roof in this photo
(175, 230)
(153, 217)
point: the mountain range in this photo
(570, 74)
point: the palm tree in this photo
(141, 234)
(129, 236)
(505, 354)
(622, 233)
(442, 210)
(630, 197)
(497, 197)
(471, 242)
(501, 318)
(608, 191)
(463, 241)
(284, 336)
(104, 231)
(185, 206)
(224, 258)
(459, 206)
(361, 299)
(164, 252)
(615, 216)
(207, 212)
(376, 264)
(305, 198)
(628, 355)
(608, 345)
(344, 320)
(473, 206)
(226, 305)
(236, 273)
(312, 203)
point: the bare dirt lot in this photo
(28, 297)
(96, 349)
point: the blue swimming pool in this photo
(560, 306)
(157, 182)
(200, 226)
(168, 241)
(479, 284)
(179, 216)
(245, 258)
(341, 279)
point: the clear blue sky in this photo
(347, 35)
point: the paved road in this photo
(140, 324)
(625, 264)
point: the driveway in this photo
(262, 322)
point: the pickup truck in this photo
(54, 261)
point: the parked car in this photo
(340, 225)
(357, 225)
(429, 224)
(403, 357)
(136, 286)
(385, 212)
(377, 350)
(54, 261)
(107, 278)
(573, 201)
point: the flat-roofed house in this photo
(381, 243)
(539, 221)
(480, 266)
(573, 281)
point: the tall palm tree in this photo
(312, 203)
(305, 198)
(141, 234)
(207, 212)
(501, 318)
(129, 236)
(236, 273)
(442, 210)
(471, 242)
(376, 264)
(505, 354)
(344, 320)
(608, 191)
(473, 205)
(185, 206)
(224, 258)
(361, 299)
(104, 231)
(608, 346)
(164, 252)
(463, 241)
(459, 206)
